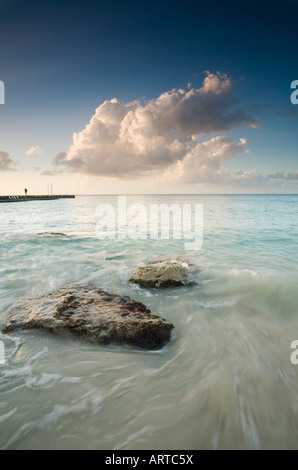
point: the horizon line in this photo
(190, 194)
(158, 194)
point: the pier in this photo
(34, 198)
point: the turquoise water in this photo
(225, 381)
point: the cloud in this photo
(290, 113)
(278, 175)
(33, 150)
(129, 140)
(204, 163)
(293, 175)
(48, 173)
(6, 162)
(60, 159)
(246, 178)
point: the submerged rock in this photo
(168, 271)
(91, 314)
(51, 234)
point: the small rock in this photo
(92, 314)
(51, 234)
(162, 273)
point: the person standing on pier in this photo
(26, 191)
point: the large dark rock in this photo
(168, 271)
(92, 314)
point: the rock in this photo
(162, 273)
(178, 259)
(51, 234)
(91, 314)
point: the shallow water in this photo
(225, 380)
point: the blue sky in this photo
(202, 96)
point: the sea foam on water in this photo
(224, 381)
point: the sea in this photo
(227, 379)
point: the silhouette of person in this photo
(26, 191)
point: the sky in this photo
(164, 97)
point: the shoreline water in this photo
(224, 381)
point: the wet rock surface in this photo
(51, 234)
(168, 271)
(186, 262)
(92, 314)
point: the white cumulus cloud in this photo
(34, 150)
(204, 162)
(129, 140)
